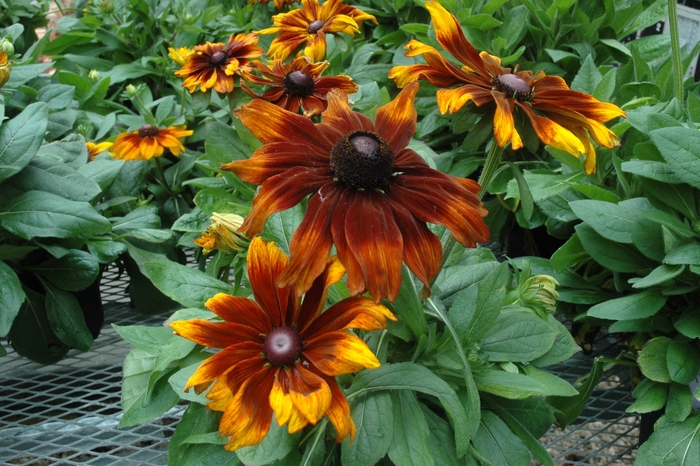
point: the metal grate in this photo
(67, 414)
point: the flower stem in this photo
(488, 173)
(676, 51)
(161, 173)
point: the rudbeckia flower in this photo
(213, 66)
(280, 353)
(371, 196)
(562, 118)
(148, 142)
(310, 24)
(94, 149)
(298, 84)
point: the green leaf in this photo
(688, 324)
(659, 275)
(452, 280)
(676, 444)
(563, 348)
(102, 171)
(408, 306)
(187, 286)
(43, 174)
(514, 386)
(484, 311)
(281, 226)
(56, 96)
(571, 406)
(441, 439)
(633, 306)
(556, 386)
(680, 147)
(409, 446)
(45, 215)
(196, 421)
(680, 402)
(683, 360)
(212, 200)
(587, 77)
(66, 318)
(495, 441)
(686, 254)
(141, 217)
(11, 297)
(276, 444)
(615, 256)
(518, 336)
(149, 339)
(409, 376)
(21, 137)
(612, 221)
(373, 416)
(650, 396)
(74, 271)
(652, 359)
(481, 22)
(659, 171)
(569, 254)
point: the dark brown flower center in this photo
(217, 58)
(514, 86)
(362, 160)
(315, 26)
(298, 84)
(282, 347)
(148, 130)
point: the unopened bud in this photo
(132, 91)
(94, 76)
(223, 234)
(107, 7)
(7, 47)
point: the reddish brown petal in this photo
(240, 311)
(396, 121)
(338, 115)
(312, 105)
(265, 263)
(422, 250)
(275, 158)
(376, 242)
(218, 364)
(311, 242)
(323, 85)
(355, 280)
(354, 312)
(315, 298)
(246, 370)
(282, 192)
(339, 413)
(214, 334)
(270, 123)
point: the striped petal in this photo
(239, 311)
(396, 121)
(339, 353)
(266, 261)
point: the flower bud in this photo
(131, 91)
(5, 69)
(222, 234)
(94, 76)
(7, 47)
(107, 7)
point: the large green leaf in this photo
(495, 441)
(409, 376)
(198, 420)
(11, 297)
(652, 359)
(66, 318)
(45, 215)
(409, 446)
(409, 307)
(675, 444)
(74, 271)
(21, 137)
(681, 149)
(518, 335)
(373, 416)
(615, 256)
(276, 445)
(187, 286)
(612, 221)
(633, 306)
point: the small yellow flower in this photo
(180, 55)
(149, 142)
(94, 149)
(222, 234)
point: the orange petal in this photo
(310, 394)
(452, 100)
(247, 418)
(214, 334)
(339, 413)
(265, 263)
(355, 280)
(379, 253)
(554, 134)
(355, 312)
(396, 121)
(311, 242)
(285, 411)
(339, 116)
(503, 123)
(240, 311)
(218, 364)
(315, 49)
(315, 298)
(339, 353)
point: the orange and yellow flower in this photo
(94, 149)
(371, 196)
(213, 66)
(5, 68)
(148, 142)
(562, 118)
(310, 24)
(297, 84)
(280, 353)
